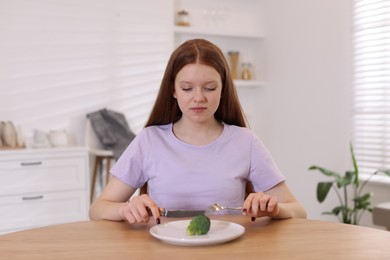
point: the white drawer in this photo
(19, 176)
(41, 209)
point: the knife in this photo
(178, 213)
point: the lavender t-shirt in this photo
(185, 176)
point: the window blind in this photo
(371, 95)
(63, 59)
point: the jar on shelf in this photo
(183, 18)
(234, 56)
(246, 71)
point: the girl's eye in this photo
(210, 87)
(186, 88)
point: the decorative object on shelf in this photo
(234, 58)
(183, 18)
(9, 135)
(9, 138)
(246, 71)
(40, 139)
(350, 210)
(58, 138)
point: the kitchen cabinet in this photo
(42, 187)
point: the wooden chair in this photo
(101, 156)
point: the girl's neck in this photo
(197, 134)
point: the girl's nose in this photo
(199, 96)
(199, 99)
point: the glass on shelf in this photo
(246, 71)
(234, 57)
(183, 18)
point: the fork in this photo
(215, 207)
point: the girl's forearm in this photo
(290, 210)
(106, 210)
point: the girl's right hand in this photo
(138, 208)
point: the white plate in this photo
(174, 232)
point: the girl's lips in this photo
(198, 109)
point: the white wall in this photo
(305, 107)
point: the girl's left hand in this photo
(260, 204)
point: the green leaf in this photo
(325, 171)
(336, 210)
(345, 209)
(355, 166)
(328, 213)
(365, 197)
(323, 190)
(363, 205)
(387, 172)
(350, 176)
(346, 180)
(363, 202)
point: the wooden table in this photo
(263, 239)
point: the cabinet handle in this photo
(33, 197)
(30, 163)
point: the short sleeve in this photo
(129, 167)
(264, 173)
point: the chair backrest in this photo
(92, 142)
(112, 130)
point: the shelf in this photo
(248, 83)
(198, 31)
(231, 25)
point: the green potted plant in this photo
(351, 210)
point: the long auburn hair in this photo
(166, 110)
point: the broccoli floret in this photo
(199, 225)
